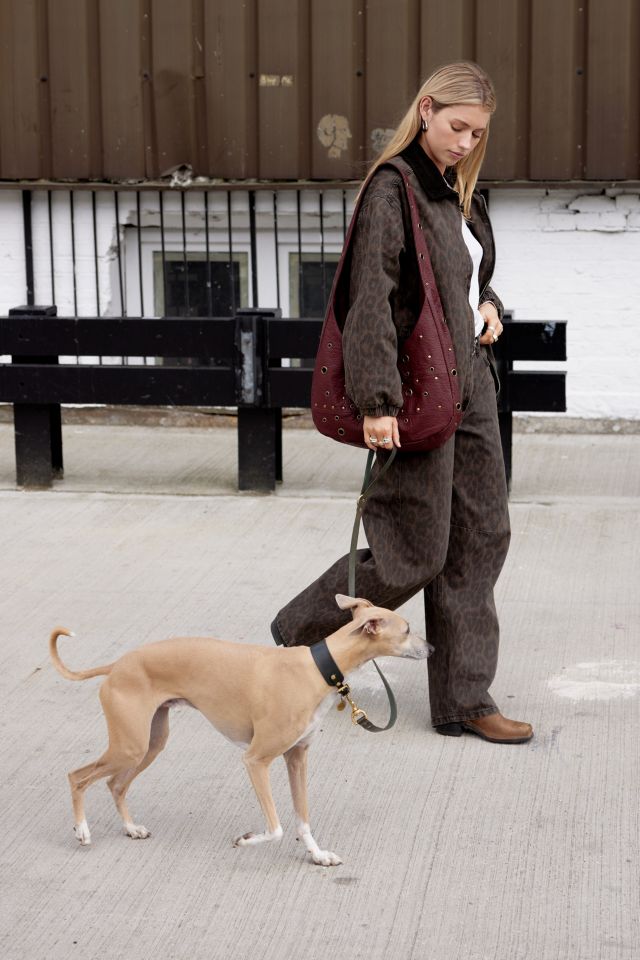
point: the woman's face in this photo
(453, 132)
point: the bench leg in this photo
(35, 445)
(258, 431)
(55, 423)
(278, 424)
(505, 421)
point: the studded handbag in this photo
(431, 409)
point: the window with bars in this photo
(310, 279)
(199, 287)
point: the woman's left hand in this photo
(494, 327)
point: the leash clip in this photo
(356, 713)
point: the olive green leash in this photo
(358, 716)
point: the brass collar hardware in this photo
(356, 713)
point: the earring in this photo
(424, 125)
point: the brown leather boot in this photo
(495, 728)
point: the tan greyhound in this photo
(267, 700)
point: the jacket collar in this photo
(435, 185)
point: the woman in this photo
(436, 520)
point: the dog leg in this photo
(120, 783)
(258, 770)
(109, 764)
(296, 760)
(128, 745)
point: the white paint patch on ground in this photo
(604, 680)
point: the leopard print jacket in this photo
(384, 283)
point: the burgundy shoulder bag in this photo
(431, 409)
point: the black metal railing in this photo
(187, 250)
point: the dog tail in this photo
(59, 665)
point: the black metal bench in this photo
(247, 372)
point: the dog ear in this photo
(372, 625)
(351, 603)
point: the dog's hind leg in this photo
(128, 745)
(110, 764)
(258, 770)
(120, 782)
(296, 760)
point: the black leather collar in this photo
(326, 665)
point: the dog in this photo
(267, 700)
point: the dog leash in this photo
(320, 652)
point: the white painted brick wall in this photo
(575, 257)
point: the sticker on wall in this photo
(334, 133)
(276, 80)
(380, 137)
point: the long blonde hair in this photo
(456, 83)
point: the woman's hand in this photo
(381, 433)
(491, 318)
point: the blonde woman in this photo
(437, 520)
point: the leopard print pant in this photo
(436, 521)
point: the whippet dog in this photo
(267, 700)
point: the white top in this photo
(475, 252)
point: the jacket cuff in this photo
(382, 411)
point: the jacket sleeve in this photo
(370, 340)
(490, 296)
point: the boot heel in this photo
(450, 729)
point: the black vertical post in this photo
(28, 245)
(37, 426)
(253, 240)
(259, 425)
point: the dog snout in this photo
(418, 648)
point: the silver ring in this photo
(490, 327)
(495, 338)
(386, 440)
(373, 439)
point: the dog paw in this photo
(136, 831)
(251, 839)
(81, 831)
(325, 858)
(247, 839)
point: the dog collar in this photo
(334, 677)
(327, 666)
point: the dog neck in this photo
(350, 647)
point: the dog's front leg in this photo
(258, 770)
(296, 760)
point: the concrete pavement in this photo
(453, 849)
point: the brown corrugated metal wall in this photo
(305, 89)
